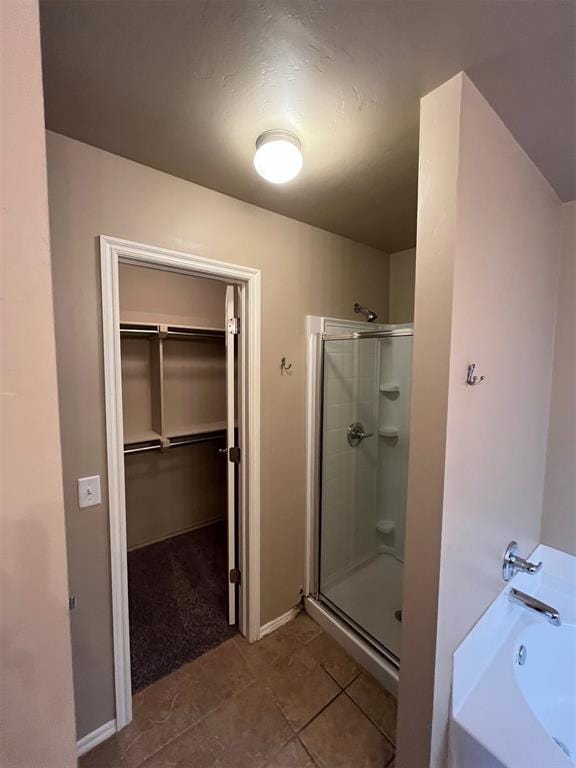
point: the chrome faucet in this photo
(514, 564)
(536, 606)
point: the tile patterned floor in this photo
(293, 700)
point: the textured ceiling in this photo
(186, 87)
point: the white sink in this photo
(507, 715)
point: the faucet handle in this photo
(513, 563)
(532, 568)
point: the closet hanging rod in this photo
(142, 448)
(174, 442)
(197, 439)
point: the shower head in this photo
(370, 316)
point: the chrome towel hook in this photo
(471, 378)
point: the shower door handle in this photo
(356, 434)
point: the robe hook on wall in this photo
(471, 378)
(284, 367)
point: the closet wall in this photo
(178, 390)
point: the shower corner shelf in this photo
(385, 526)
(389, 387)
(389, 432)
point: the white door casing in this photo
(247, 282)
(230, 327)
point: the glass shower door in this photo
(364, 462)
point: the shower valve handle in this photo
(356, 434)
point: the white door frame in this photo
(112, 252)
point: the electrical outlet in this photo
(89, 491)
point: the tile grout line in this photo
(311, 640)
(367, 716)
(342, 687)
(201, 719)
(258, 680)
(227, 699)
(269, 689)
(363, 714)
(332, 700)
(166, 743)
(296, 732)
(305, 748)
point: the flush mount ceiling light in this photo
(278, 157)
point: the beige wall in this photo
(492, 261)
(304, 271)
(402, 286)
(37, 723)
(559, 518)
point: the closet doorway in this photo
(181, 346)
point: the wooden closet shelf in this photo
(142, 436)
(193, 430)
(145, 330)
(198, 429)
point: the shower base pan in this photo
(371, 596)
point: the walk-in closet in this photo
(174, 352)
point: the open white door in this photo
(232, 449)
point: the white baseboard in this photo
(195, 527)
(91, 740)
(278, 622)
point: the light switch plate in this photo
(89, 491)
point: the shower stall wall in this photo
(359, 396)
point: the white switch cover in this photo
(89, 491)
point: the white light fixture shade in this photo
(278, 157)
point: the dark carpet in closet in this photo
(178, 602)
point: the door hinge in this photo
(234, 325)
(234, 454)
(235, 576)
(71, 602)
